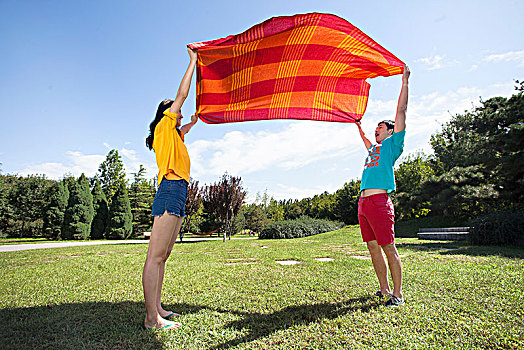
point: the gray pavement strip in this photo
(18, 247)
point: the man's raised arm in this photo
(400, 118)
(367, 143)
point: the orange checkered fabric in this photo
(310, 66)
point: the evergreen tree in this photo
(255, 217)
(111, 173)
(101, 210)
(69, 182)
(193, 204)
(120, 216)
(79, 213)
(141, 194)
(27, 198)
(5, 208)
(57, 197)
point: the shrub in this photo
(502, 227)
(297, 228)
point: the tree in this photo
(57, 197)
(256, 217)
(27, 200)
(193, 204)
(120, 217)
(410, 175)
(101, 212)
(322, 206)
(225, 199)
(239, 221)
(111, 173)
(345, 207)
(79, 213)
(5, 208)
(275, 211)
(292, 209)
(491, 137)
(460, 192)
(141, 194)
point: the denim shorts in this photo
(171, 197)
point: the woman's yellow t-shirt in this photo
(171, 152)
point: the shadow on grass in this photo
(91, 325)
(259, 325)
(464, 248)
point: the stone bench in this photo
(444, 234)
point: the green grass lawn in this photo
(235, 295)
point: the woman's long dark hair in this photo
(159, 115)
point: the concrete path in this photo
(17, 247)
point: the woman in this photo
(167, 139)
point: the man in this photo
(375, 209)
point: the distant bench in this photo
(444, 234)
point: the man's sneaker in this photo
(394, 301)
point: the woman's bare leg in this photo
(161, 237)
(161, 311)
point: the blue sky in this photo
(79, 78)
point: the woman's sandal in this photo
(172, 315)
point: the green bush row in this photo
(502, 227)
(301, 227)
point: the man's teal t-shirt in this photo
(378, 169)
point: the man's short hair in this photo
(390, 124)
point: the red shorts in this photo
(376, 217)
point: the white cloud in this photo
(436, 62)
(129, 153)
(294, 192)
(507, 57)
(298, 144)
(76, 163)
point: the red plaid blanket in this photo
(309, 66)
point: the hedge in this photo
(502, 227)
(301, 227)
